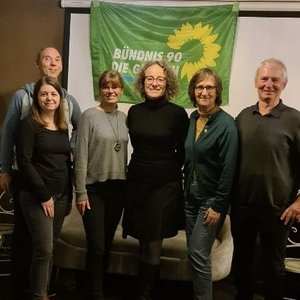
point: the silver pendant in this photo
(117, 146)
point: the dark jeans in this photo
(44, 231)
(246, 225)
(100, 222)
(21, 247)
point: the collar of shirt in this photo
(275, 112)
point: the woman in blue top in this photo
(211, 151)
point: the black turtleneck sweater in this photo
(157, 130)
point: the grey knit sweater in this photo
(96, 160)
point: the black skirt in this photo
(153, 211)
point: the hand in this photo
(82, 206)
(292, 213)
(5, 180)
(211, 217)
(48, 208)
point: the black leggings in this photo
(100, 222)
(150, 252)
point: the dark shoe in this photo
(147, 278)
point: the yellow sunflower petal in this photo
(206, 31)
(210, 39)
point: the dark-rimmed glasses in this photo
(159, 79)
(208, 88)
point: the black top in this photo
(157, 130)
(269, 175)
(43, 157)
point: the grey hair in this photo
(274, 61)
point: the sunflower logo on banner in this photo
(201, 35)
(124, 37)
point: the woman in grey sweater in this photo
(100, 172)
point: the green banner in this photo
(124, 36)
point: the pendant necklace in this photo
(117, 145)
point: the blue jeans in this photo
(246, 226)
(100, 222)
(200, 239)
(44, 231)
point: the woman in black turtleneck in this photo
(157, 130)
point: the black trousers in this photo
(21, 247)
(100, 222)
(273, 234)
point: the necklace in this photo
(117, 145)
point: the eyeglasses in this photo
(208, 88)
(107, 88)
(159, 79)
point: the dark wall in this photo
(25, 27)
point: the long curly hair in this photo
(172, 87)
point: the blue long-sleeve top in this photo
(212, 158)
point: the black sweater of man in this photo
(269, 175)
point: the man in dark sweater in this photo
(266, 200)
